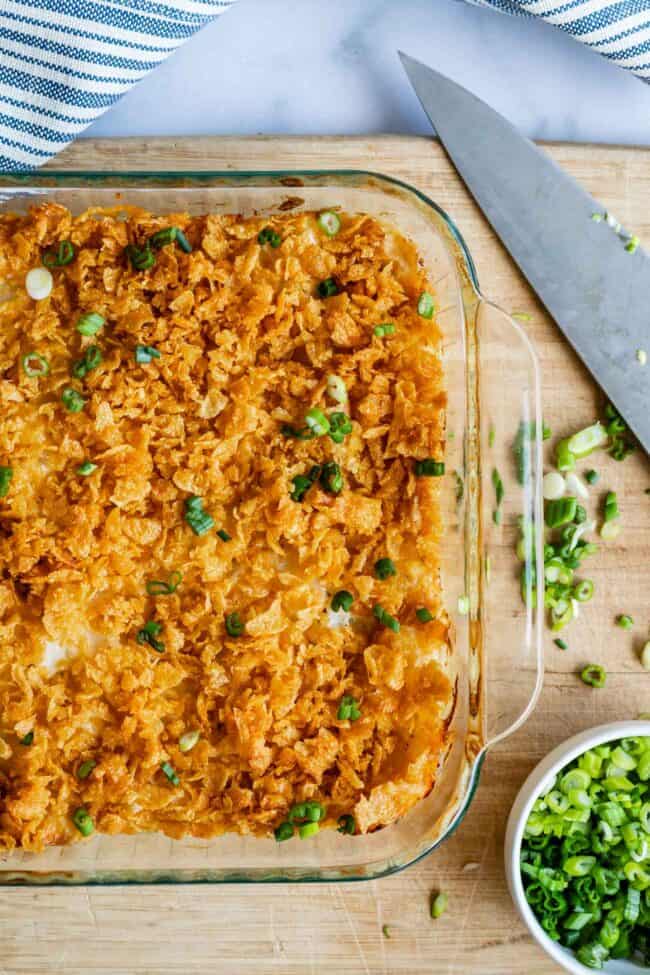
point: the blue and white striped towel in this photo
(64, 62)
(619, 29)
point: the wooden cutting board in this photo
(338, 928)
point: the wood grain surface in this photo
(337, 928)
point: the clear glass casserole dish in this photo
(493, 386)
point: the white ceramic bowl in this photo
(537, 783)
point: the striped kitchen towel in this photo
(64, 62)
(619, 30)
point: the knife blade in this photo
(597, 292)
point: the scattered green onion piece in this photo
(336, 389)
(158, 587)
(586, 441)
(329, 222)
(424, 615)
(328, 288)
(385, 618)
(348, 709)
(91, 359)
(145, 354)
(72, 400)
(331, 478)
(594, 675)
(86, 468)
(561, 644)
(611, 507)
(387, 328)
(439, 905)
(560, 511)
(564, 458)
(342, 600)
(283, 832)
(496, 516)
(385, 930)
(497, 483)
(149, 633)
(346, 824)
(183, 242)
(90, 323)
(27, 739)
(140, 258)
(591, 477)
(85, 769)
(624, 621)
(162, 237)
(317, 422)
(305, 830)
(269, 236)
(170, 773)
(632, 244)
(340, 426)
(34, 364)
(426, 305)
(83, 821)
(59, 257)
(199, 520)
(384, 568)
(583, 591)
(234, 625)
(6, 474)
(429, 468)
(223, 535)
(301, 484)
(187, 741)
(491, 437)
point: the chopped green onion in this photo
(234, 625)
(496, 516)
(72, 400)
(348, 709)
(6, 474)
(498, 486)
(308, 829)
(86, 468)
(162, 237)
(385, 930)
(170, 773)
(610, 530)
(27, 739)
(83, 821)
(331, 478)
(387, 328)
(385, 568)
(346, 824)
(429, 468)
(632, 244)
(561, 644)
(336, 389)
(463, 605)
(585, 441)
(149, 633)
(34, 364)
(146, 353)
(641, 357)
(328, 288)
(157, 587)
(424, 615)
(140, 258)
(329, 222)
(594, 675)
(624, 621)
(301, 484)
(311, 811)
(91, 359)
(90, 323)
(199, 520)
(342, 600)
(269, 236)
(491, 437)
(620, 443)
(560, 511)
(59, 256)
(385, 618)
(611, 507)
(583, 591)
(426, 305)
(187, 741)
(317, 422)
(283, 832)
(304, 433)
(591, 477)
(439, 905)
(564, 458)
(224, 536)
(85, 769)
(340, 427)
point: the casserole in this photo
(492, 386)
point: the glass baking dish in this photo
(493, 385)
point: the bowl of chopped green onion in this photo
(577, 851)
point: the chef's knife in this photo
(596, 290)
